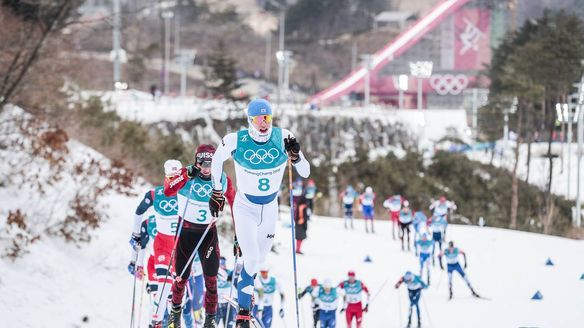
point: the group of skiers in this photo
(325, 299)
(183, 244)
(187, 207)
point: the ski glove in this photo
(132, 268)
(192, 171)
(136, 241)
(293, 148)
(366, 308)
(216, 203)
(342, 310)
(236, 248)
(281, 313)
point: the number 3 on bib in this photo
(264, 184)
(203, 217)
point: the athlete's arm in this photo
(302, 166)
(223, 152)
(399, 282)
(145, 204)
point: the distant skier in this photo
(438, 226)
(424, 247)
(327, 300)
(166, 213)
(266, 287)
(301, 217)
(419, 224)
(297, 191)
(313, 290)
(261, 155)
(405, 220)
(310, 194)
(353, 305)
(193, 188)
(415, 286)
(224, 286)
(394, 205)
(348, 198)
(367, 201)
(451, 253)
(442, 208)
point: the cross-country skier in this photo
(415, 286)
(393, 204)
(301, 218)
(260, 154)
(367, 200)
(405, 220)
(313, 290)
(327, 301)
(266, 287)
(353, 306)
(424, 247)
(451, 253)
(224, 284)
(419, 223)
(310, 194)
(442, 208)
(297, 191)
(193, 187)
(166, 217)
(348, 198)
(438, 228)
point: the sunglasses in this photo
(260, 118)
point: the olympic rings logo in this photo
(203, 190)
(449, 84)
(168, 206)
(261, 156)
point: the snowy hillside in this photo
(539, 166)
(61, 284)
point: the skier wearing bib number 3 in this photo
(260, 154)
(192, 186)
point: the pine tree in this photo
(221, 75)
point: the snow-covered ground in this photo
(58, 284)
(539, 166)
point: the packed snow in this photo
(57, 285)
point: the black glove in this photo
(465, 265)
(136, 241)
(366, 308)
(281, 313)
(342, 310)
(236, 248)
(192, 171)
(441, 266)
(293, 148)
(216, 203)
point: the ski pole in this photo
(234, 278)
(140, 306)
(293, 244)
(134, 293)
(176, 238)
(399, 308)
(426, 310)
(379, 291)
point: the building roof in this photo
(393, 16)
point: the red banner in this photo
(472, 39)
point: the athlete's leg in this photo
(162, 252)
(209, 255)
(267, 316)
(247, 219)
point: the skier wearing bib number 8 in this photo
(260, 153)
(192, 186)
(166, 216)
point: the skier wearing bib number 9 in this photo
(260, 154)
(193, 189)
(166, 216)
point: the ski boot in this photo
(175, 316)
(419, 324)
(243, 319)
(409, 323)
(210, 321)
(473, 292)
(155, 324)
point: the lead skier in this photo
(260, 153)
